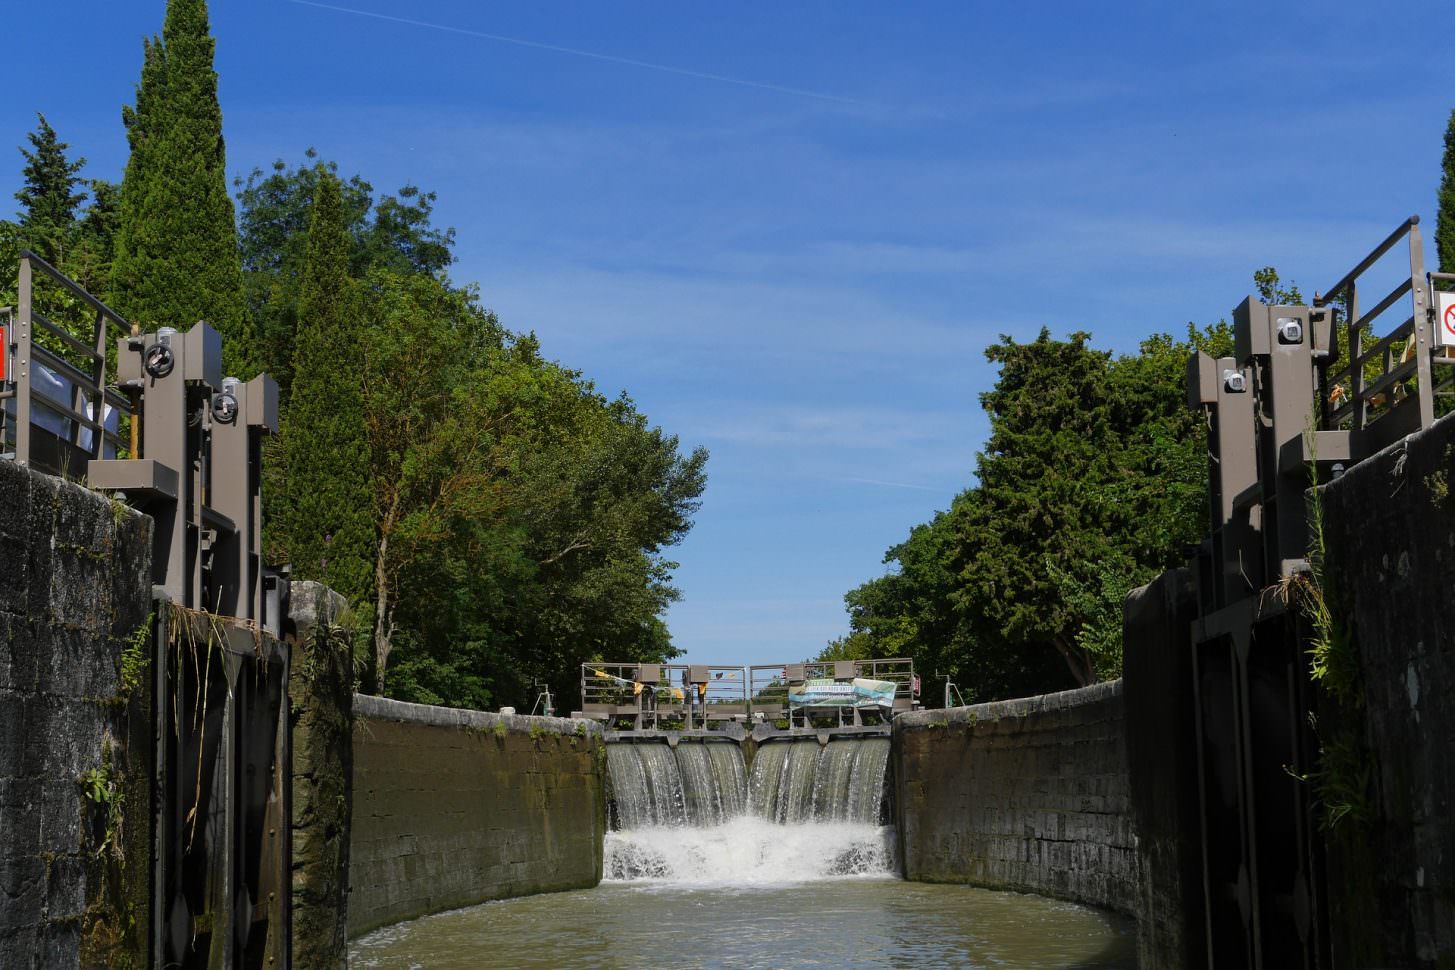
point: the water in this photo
(801, 781)
(693, 817)
(708, 866)
(694, 784)
(749, 851)
(852, 923)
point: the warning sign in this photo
(1445, 319)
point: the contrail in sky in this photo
(876, 481)
(609, 58)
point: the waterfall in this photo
(695, 784)
(694, 815)
(799, 781)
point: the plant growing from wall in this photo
(135, 657)
(109, 935)
(1341, 777)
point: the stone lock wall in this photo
(452, 808)
(75, 725)
(1029, 795)
(1389, 526)
(1161, 732)
(321, 706)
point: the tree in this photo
(274, 208)
(606, 493)
(1092, 481)
(323, 516)
(435, 467)
(273, 215)
(89, 261)
(520, 515)
(1445, 216)
(1271, 289)
(49, 197)
(177, 256)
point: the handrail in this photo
(1368, 261)
(1361, 394)
(74, 288)
(87, 390)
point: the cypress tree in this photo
(1445, 216)
(325, 517)
(177, 257)
(49, 198)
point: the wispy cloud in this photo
(875, 481)
(593, 55)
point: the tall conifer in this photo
(177, 258)
(325, 517)
(49, 197)
(1445, 217)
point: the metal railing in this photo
(1390, 379)
(654, 696)
(768, 684)
(56, 410)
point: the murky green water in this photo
(852, 922)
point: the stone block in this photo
(14, 574)
(79, 589)
(83, 521)
(65, 890)
(58, 944)
(311, 604)
(17, 946)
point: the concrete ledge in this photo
(1019, 707)
(387, 709)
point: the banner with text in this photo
(861, 692)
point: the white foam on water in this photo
(749, 851)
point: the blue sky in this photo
(798, 260)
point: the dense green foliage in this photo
(176, 259)
(274, 208)
(1445, 203)
(322, 512)
(1093, 480)
(50, 221)
(518, 516)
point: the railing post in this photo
(98, 391)
(1356, 351)
(1422, 337)
(22, 364)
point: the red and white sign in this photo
(1445, 319)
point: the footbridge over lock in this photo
(825, 699)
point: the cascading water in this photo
(802, 782)
(694, 815)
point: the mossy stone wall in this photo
(453, 807)
(1029, 795)
(1389, 529)
(75, 725)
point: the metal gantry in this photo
(694, 697)
(1309, 391)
